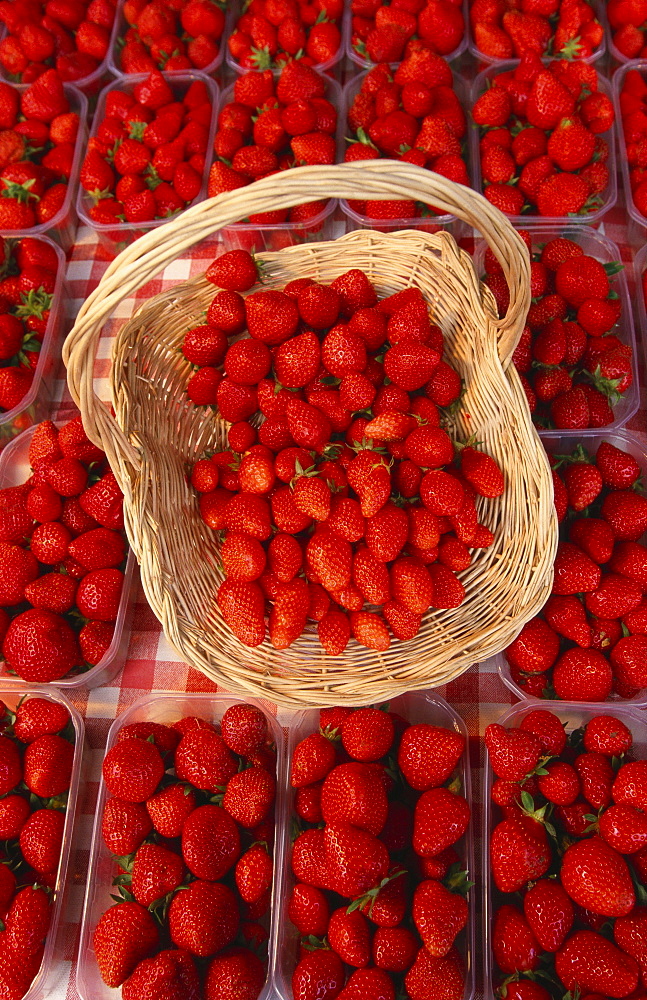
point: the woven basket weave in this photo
(156, 433)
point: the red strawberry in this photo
(519, 852)
(204, 918)
(549, 912)
(125, 825)
(156, 871)
(47, 765)
(440, 819)
(590, 962)
(172, 972)
(308, 910)
(40, 646)
(514, 945)
(514, 753)
(235, 973)
(132, 770)
(356, 859)
(354, 793)
(427, 755)
(597, 877)
(439, 915)
(210, 842)
(125, 934)
(318, 973)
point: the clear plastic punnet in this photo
(116, 236)
(416, 707)
(167, 708)
(564, 445)
(36, 404)
(594, 244)
(55, 943)
(15, 470)
(573, 716)
(608, 196)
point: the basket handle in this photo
(370, 179)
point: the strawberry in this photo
(249, 796)
(243, 728)
(629, 785)
(125, 825)
(519, 852)
(535, 649)
(124, 936)
(514, 945)
(440, 819)
(132, 770)
(356, 859)
(318, 972)
(439, 915)
(203, 919)
(210, 842)
(349, 936)
(591, 962)
(582, 675)
(40, 646)
(308, 910)
(47, 765)
(482, 472)
(235, 974)
(168, 809)
(171, 971)
(574, 571)
(203, 759)
(27, 922)
(597, 877)
(514, 753)
(444, 976)
(427, 755)
(156, 871)
(608, 735)
(619, 469)
(549, 912)
(353, 793)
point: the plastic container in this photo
(90, 84)
(600, 10)
(422, 223)
(253, 237)
(610, 193)
(365, 63)
(640, 265)
(62, 226)
(55, 945)
(573, 716)
(165, 708)
(14, 470)
(236, 8)
(563, 446)
(605, 250)
(415, 707)
(119, 235)
(37, 403)
(121, 27)
(618, 80)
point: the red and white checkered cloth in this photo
(151, 665)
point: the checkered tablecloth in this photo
(151, 665)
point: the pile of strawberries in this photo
(410, 114)
(542, 148)
(568, 859)
(633, 109)
(573, 367)
(505, 29)
(72, 38)
(36, 758)
(269, 33)
(382, 32)
(591, 637)
(181, 35)
(62, 551)
(27, 281)
(627, 20)
(38, 135)
(147, 158)
(274, 123)
(190, 821)
(379, 895)
(340, 488)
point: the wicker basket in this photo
(157, 433)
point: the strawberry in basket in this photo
(567, 856)
(178, 36)
(573, 366)
(29, 268)
(63, 553)
(37, 753)
(413, 114)
(274, 124)
(390, 32)
(71, 38)
(343, 499)
(545, 138)
(590, 639)
(190, 825)
(270, 33)
(39, 134)
(378, 858)
(147, 158)
(564, 28)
